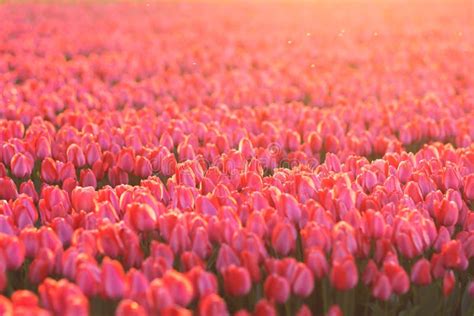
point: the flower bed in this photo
(215, 159)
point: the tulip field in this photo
(178, 158)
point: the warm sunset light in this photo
(217, 158)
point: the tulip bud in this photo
(204, 282)
(7, 189)
(87, 178)
(334, 310)
(140, 216)
(76, 155)
(158, 296)
(382, 288)
(446, 212)
(43, 148)
(265, 308)
(129, 307)
(470, 289)
(288, 206)
(113, 279)
(237, 281)
(179, 286)
(276, 288)
(143, 168)
(49, 172)
(469, 187)
(303, 281)
(370, 273)
(213, 305)
(88, 278)
(93, 153)
(344, 274)
(283, 238)
(83, 198)
(421, 272)
(21, 165)
(449, 281)
(179, 239)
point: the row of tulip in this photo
(156, 167)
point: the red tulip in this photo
(113, 279)
(179, 239)
(470, 289)
(334, 310)
(370, 273)
(43, 148)
(225, 258)
(129, 307)
(212, 305)
(158, 296)
(204, 282)
(303, 281)
(140, 217)
(93, 153)
(6, 307)
(8, 189)
(304, 311)
(62, 297)
(88, 178)
(344, 274)
(179, 286)
(446, 212)
(237, 281)
(276, 288)
(143, 168)
(83, 198)
(288, 206)
(28, 188)
(264, 308)
(41, 266)
(382, 289)
(126, 160)
(421, 272)
(21, 165)
(398, 277)
(453, 254)
(469, 187)
(24, 298)
(88, 278)
(283, 238)
(24, 212)
(14, 251)
(76, 155)
(449, 281)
